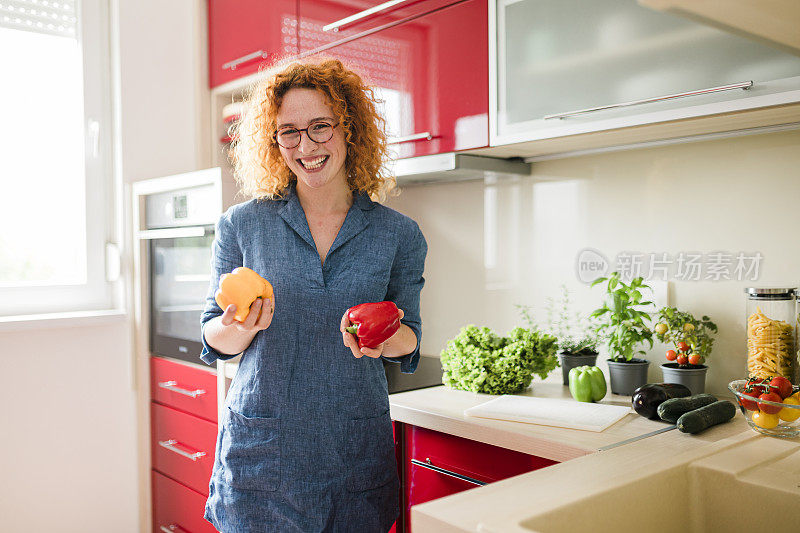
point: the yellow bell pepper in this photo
(241, 288)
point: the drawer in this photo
(184, 386)
(477, 460)
(182, 446)
(177, 508)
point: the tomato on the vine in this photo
(682, 346)
(694, 359)
(750, 405)
(682, 359)
(770, 397)
(781, 386)
(671, 355)
(661, 328)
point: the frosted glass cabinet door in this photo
(559, 56)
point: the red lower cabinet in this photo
(177, 508)
(183, 446)
(438, 465)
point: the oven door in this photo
(179, 277)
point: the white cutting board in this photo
(551, 412)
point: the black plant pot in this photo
(628, 376)
(691, 376)
(569, 361)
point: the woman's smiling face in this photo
(316, 165)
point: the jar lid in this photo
(771, 293)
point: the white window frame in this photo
(102, 198)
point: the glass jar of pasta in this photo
(772, 333)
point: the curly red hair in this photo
(260, 169)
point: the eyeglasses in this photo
(319, 132)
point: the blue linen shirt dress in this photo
(306, 441)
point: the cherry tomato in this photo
(750, 405)
(781, 386)
(671, 355)
(694, 359)
(688, 328)
(770, 397)
(661, 329)
(765, 420)
(682, 359)
(682, 346)
(787, 413)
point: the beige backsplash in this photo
(494, 245)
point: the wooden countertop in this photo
(442, 409)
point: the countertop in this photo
(593, 464)
(442, 409)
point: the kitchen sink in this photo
(751, 486)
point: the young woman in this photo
(306, 443)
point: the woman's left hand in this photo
(351, 341)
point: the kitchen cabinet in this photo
(433, 81)
(183, 435)
(180, 509)
(244, 35)
(438, 464)
(562, 69)
(774, 22)
(323, 23)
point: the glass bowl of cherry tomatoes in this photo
(770, 406)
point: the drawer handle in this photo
(425, 135)
(744, 86)
(173, 386)
(427, 464)
(170, 445)
(340, 24)
(172, 528)
(238, 62)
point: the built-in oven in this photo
(179, 232)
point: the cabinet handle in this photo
(425, 135)
(258, 54)
(744, 86)
(173, 386)
(340, 24)
(172, 528)
(427, 464)
(170, 445)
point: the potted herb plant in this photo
(622, 325)
(577, 345)
(691, 340)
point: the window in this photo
(56, 184)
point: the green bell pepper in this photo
(587, 384)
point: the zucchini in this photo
(705, 417)
(671, 410)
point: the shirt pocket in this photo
(370, 452)
(250, 452)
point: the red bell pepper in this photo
(373, 323)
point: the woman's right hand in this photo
(259, 317)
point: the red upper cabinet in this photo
(323, 22)
(246, 34)
(434, 81)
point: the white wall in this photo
(70, 452)
(737, 194)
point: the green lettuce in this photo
(479, 360)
